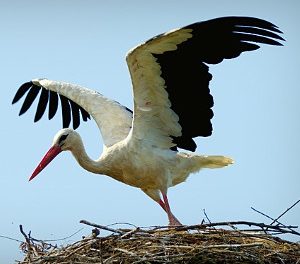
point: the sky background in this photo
(85, 42)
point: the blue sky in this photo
(256, 117)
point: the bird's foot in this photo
(173, 221)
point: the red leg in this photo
(173, 221)
(162, 204)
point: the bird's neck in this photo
(95, 166)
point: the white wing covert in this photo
(154, 121)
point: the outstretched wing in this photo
(113, 119)
(172, 100)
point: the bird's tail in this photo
(213, 162)
(193, 163)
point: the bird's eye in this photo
(62, 138)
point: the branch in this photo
(280, 225)
(235, 245)
(101, 227)
(130, 233)
(275, 220)
(233, 223)
(206, 216)
(26, 237)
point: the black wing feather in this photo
(220, 38)
(31, 95)
(258, 31)
(50, 98)
(257, 39)
(21, 91)
(85, 115)
(65, 111)
(186, 74)
(42, 105)
(75, 115)
(53, 104)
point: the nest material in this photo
(187, 244)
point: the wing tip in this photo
(21, 91)
(31, 88)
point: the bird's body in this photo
(135, 163)
(147, 168)
(172, 105)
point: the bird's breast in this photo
(142, 168)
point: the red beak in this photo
(49, 156)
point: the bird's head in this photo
(65, 139)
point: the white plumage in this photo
(102, 109)
(172, 105)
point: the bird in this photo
(152, 146)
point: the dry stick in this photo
(264, 215)
(79, 248)
(275, 220)
(122, 223)
(235, 245)
(130, 253)
(261, 225)
(130, 233)
(203, 226)
(206, 216)
(101, 227)
(30, 248)
(26, 237)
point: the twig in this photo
(130, 233)
(127, 252)
(276, 220)
(229, 223)
(26, 237)
(173, 246)
(122, 223)
(235, 245)
(206, 216)
(261, 225)
(80, 248)
(263, 214)
(101, 227)
(31, 247)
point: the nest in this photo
(206, 243)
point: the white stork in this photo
(172, 105)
